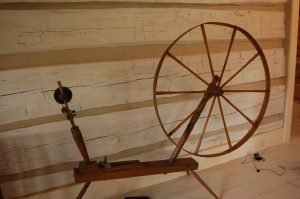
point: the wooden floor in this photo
(234, 180)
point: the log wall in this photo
(107, 53)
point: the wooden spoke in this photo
(255, 91)
(224, 123)
(187, 68)
(178, 92)
(227, 56)
(190, 126)
(238, 110)
(207, 50)
(180, 124)
(248, 62)
(205, 126)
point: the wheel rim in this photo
(218, 86)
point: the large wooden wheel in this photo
(216, 90)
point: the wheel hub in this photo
(217, 91)
(213, 88)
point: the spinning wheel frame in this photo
(215, 90)
(92, 171)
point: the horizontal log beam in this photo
(201, 2)
(102, 54)
(40, 5)
(34, 37)
(121, 107)
(12, 188)
(138, 152)
(104, 84)
(43, 30)
(111, 133)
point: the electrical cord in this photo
(271, 170)
(255, 157)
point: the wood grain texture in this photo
(132, 168)
(137, 153)
(40, 154)
(121, 107)
(43, 30)
(23, 187)
(131, 4)
(52, 143)
(54, 58)
(291, 62)
(101, 50)
(27, 93)
(236, 180)
(163, 1)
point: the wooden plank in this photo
(236, 180)
(260, 2)
(43, 30)
(27, 93)
(133, 168)
(131, 4)
(288, 191)
(269, 123)
(44, 150)
(85, 55)
(52, 143)
(40, 146)
(265, 184)
(24, 186)
(116, 108)
(291, 64)
(38, 184)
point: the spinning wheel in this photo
(216, 89)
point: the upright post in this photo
(77, 135)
